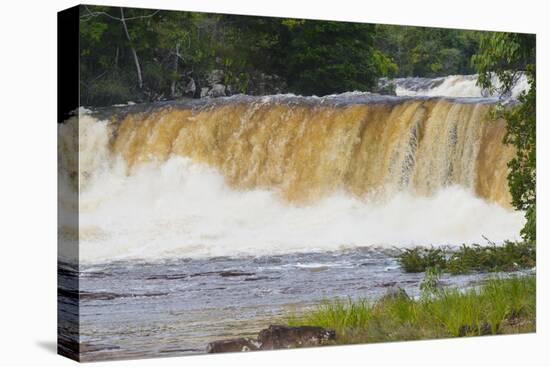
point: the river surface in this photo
(169, 308)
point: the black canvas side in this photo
(68, 314)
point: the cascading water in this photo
(284, 174)
(451, 86)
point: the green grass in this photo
(510, 256)
(498, 306)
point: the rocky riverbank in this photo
(276, 337)
(497, 306)
(219, 84)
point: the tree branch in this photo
(91, 14)
(134, 53)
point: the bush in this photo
(511, 256)
(418, 259)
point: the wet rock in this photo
(223, 274)
(107, 296)
(167, 277)
(394, 292)
(190, 88)
(233, 345)
(385, 87)
(216, 76)
(234, 273)
(275, 337)
(205, 273)
(282, 337)
(204, 92)
(218, 90)
(253, 279)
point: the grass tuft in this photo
(499, 306)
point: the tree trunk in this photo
(176, 57)
(134, 53)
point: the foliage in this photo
(308, 56)
(510, 256)
(331, 57)
(430, 285)
(313, 57)
(499, 306)
(160, 39)
(427, 52)
(504, 56)
(418, 259)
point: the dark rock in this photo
(223, 274)
(107, 296)
(253, 279)
(385, 87)
(205, 273)
(233, 345)
(275, 337)
(190, 88)
(232, 273)
(368, 263)
(281, 337)
(167, 276)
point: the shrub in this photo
(418, 259)
(510, 256)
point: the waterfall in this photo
(255, 175)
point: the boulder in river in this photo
(394, 292)
(233, 345)
(275, 337)
(282, 337)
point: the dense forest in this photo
(146, 55)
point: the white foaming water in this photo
(453, 86)
(180, 208)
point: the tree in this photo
(324, 57)
(123, 20)
(504, 56)
(149, 55)
(139, 54)
(427, 52)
